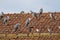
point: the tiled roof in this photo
(42, 23)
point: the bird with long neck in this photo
(52, 16)
(5, 19)
(1, 15)
(27, 21)
(16, 27)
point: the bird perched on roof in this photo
(31, 11)
(37, 30)
(1, 15)
(16, 27)
(22, 12)
(33, 14)
(41, 10)
(49, 30)
(5, 19)
(59, 27)
(52, 16)
(27, 21)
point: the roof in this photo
(43, 23)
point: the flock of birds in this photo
(5, 19)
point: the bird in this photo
(37, 30)
(27, 21)
(5, 19)
(52, 16)
(33, 14)
(31, 11)
(1, 15)
(49, 30)
(41, 10)
(22, 12)
(59, 27)
(16, 27)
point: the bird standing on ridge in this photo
(34, 14)
(41, 11)
(1, 15)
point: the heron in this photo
(52, 16)
(1, 15)
(16, 27)
(41, 11)
(27, 21)
(5, 19)
(33, 14)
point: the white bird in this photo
(59, 27)
(37, 30)
(5, 19)
(49, 30)
(52, 16)
(16, 27)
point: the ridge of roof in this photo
(26, 12)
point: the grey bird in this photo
(22, 12)
(27, 21)
(40, 12)
(1, 15)
(5, 19)
(33, 14)
(16, 27)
